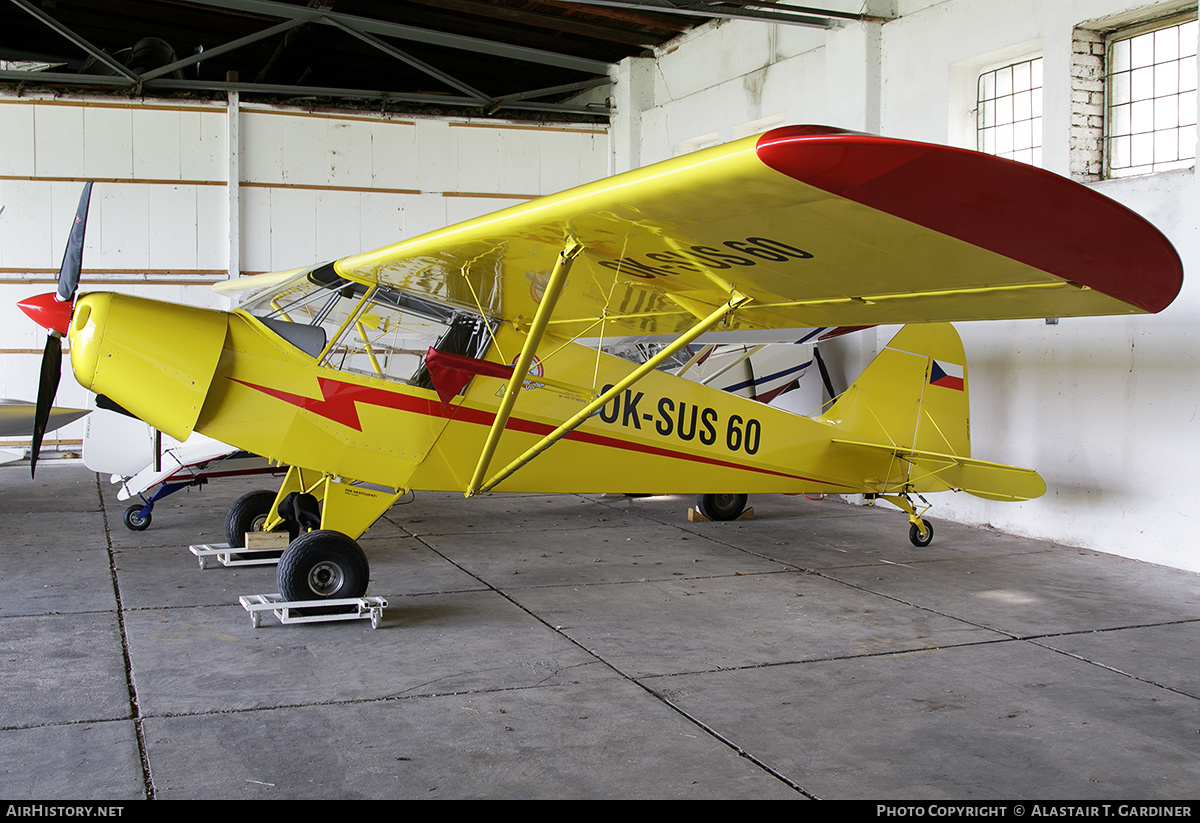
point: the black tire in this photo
(721, 506)
(247, 514)
(322, 564)
(914, 534)
(135, 523)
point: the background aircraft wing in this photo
(819, 227)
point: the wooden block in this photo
(267, 540)
(695, 516)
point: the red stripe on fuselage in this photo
(338, 400)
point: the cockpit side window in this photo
(375, 330)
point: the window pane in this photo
(1120, 56)
(1166, 112)
(1166, 45)
(1187, 39)
(1166, 78)
(1119, 88)
(1152, 100)
(1142, 83)
(1141, 50)
(1009, 111)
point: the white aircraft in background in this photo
(151, 465)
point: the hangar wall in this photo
(313, 186)
(1105, 409)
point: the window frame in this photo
(1037, 112)
(1111, 39)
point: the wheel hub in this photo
(325, 578)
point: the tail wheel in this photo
(322, 565)
(914, 534)
(721, 506)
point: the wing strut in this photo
(545, 309)
(736, 300)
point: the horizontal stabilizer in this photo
(929, 471)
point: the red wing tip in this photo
(1022, 212)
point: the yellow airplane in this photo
(470, 358)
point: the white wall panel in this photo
(518, 169)
(26, 225)
(338, 216)
(17, 126)
(58, 136)
(423, 213)
(212, 228)
(203, 143)
(304, 151)
(157, 141)
(108, 142)
(119, 222)
(380, 219)
(436, 156)
(172, 229)
(393, 155)
(350, 156)
(261, 137)
(256, 229)
(459, 209)
(561, 161)
(19, 333)
(293, 228)
(478, 159)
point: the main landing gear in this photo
(322, 516)
(721, 506)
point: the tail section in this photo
(907, 418)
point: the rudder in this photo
(913, 395)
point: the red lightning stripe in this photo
(337, 403)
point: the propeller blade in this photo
(72, 264)
(47, 388)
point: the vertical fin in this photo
(913, 395)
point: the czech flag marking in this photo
(947, 375)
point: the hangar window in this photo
(1008, 113)
(1151, 86)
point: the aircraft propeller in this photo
(53, 312)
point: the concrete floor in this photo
(584, 647)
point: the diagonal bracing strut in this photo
(736, 300)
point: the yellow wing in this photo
(818, 227)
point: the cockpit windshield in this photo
(373, 330)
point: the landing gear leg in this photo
(324, 561)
